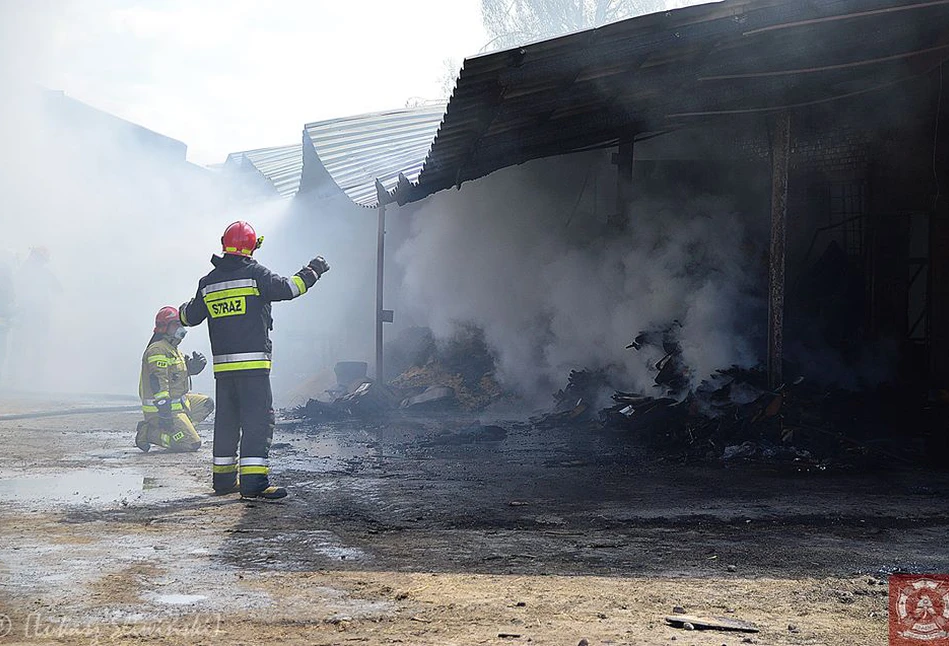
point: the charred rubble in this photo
(733, 416)
(456, 374)
(730, 417)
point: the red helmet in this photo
(240, 239)
(166, 319)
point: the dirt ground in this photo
(419, 531)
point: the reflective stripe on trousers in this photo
(250, 466)
(224, 465)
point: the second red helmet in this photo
(240, 239)
(165, 318)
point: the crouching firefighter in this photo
(170, 410)
(235, 298)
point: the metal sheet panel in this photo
(662, 71)
(358, 150)
(281, 166)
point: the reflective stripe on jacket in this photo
(164, 376)
(235, 299)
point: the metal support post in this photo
(380, 275)
(780, 153)
(623, 159)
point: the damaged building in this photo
(637, 339)
(823, 124)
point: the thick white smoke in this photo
(127, 228)
(335, 320)
(130, 228)
(556, 289)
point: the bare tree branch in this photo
(514, 22)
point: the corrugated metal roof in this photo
(662, 71)
(636, 77)
(282, 166)
(358, 150)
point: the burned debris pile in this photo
(730, 417)
(421, 384)
(576, 403)
(456, 374)
(365, 398)
(426, 369)
(734, 416)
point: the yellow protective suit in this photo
(165, 377)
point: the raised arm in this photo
(277, 288)
(194, 311)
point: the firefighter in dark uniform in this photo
(235, 299)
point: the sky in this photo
(231, 75)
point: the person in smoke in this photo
(171, 411)
(235, 298)
(36, 288)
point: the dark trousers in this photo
(245, 420)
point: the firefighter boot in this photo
(270, 493)
(220, 490)
(141, 436)
(225, 483)
(258, 486)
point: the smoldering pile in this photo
(730, 416)
(456, 374)
(734, 416)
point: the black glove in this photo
(319, 265)
(195, 363)
(164, 414)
